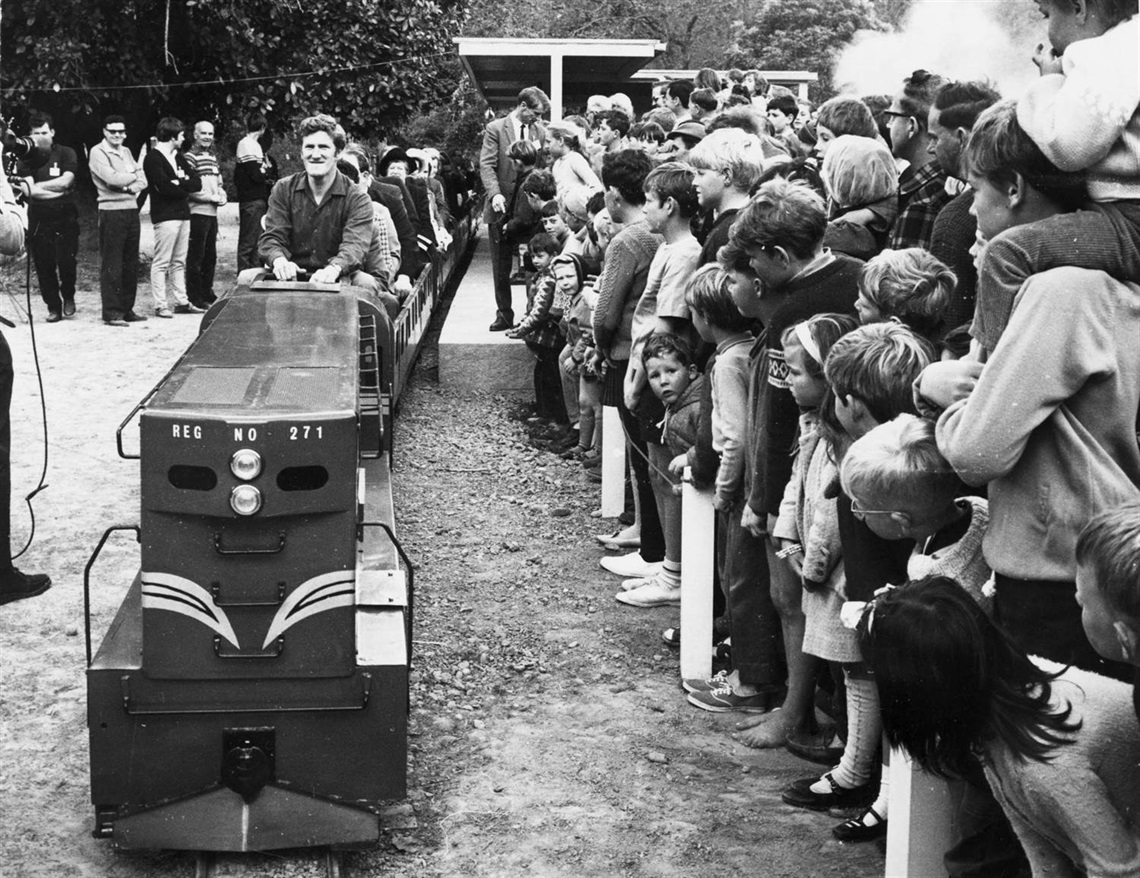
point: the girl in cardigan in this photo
(806, 532)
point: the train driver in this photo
(317, 220)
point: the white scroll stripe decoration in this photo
(325, 592)
(165, 591)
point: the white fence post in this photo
(920, 821)
(697, 559)
(613, 463)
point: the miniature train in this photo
(252, 691)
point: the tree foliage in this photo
(804, 35)
(369, 63)
(694, 37)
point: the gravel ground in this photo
(549, 735)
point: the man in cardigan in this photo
(118, 180)
(498, 174)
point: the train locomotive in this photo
(251, 693)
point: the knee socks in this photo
(864, 728)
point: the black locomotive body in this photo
(252, 690)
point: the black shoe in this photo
(15, 585)
(859, 829)
(188, 308)
(69, 307)
(132, 317)
(54, 317)
(502, 323)
(800, 795)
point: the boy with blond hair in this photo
(726, 165)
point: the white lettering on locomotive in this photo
(186, 431)
(241, 434)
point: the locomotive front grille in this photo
(308, 388)
(214, 386)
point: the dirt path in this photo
(549, 733)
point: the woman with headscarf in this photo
(862, 185)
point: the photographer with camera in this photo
(14, 584)
(53, 220)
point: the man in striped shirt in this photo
(202, 255)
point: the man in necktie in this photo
(498, 173)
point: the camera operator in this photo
(13, 584)
(53, 239)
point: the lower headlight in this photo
(245, 499)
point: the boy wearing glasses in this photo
(118, 181)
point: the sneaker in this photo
(54, 317)
(717, 681)
(636, 582)
(132, 317)
(16, 585)
(69, 307)
(622, 538)
(163, 312)
(627, 566)
(672, 637)
(725, 700)
(188, 308)
(653, 594)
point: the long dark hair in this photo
(951, 682)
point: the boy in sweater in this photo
(625, 274)
(781, 232)
(1054, 405)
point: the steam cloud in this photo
(959, 39)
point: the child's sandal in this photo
(857, 828)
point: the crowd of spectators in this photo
(896, 338)
(413, 196)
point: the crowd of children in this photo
(917, 520)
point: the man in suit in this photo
(498, 173)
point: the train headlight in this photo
(246, 464)
(245, 499)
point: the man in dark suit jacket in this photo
(498, 173)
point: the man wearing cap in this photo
(683, 137)
(498, 173)
(317, 220)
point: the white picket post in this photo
(697, 559)
(613, 463)
(920, 821)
